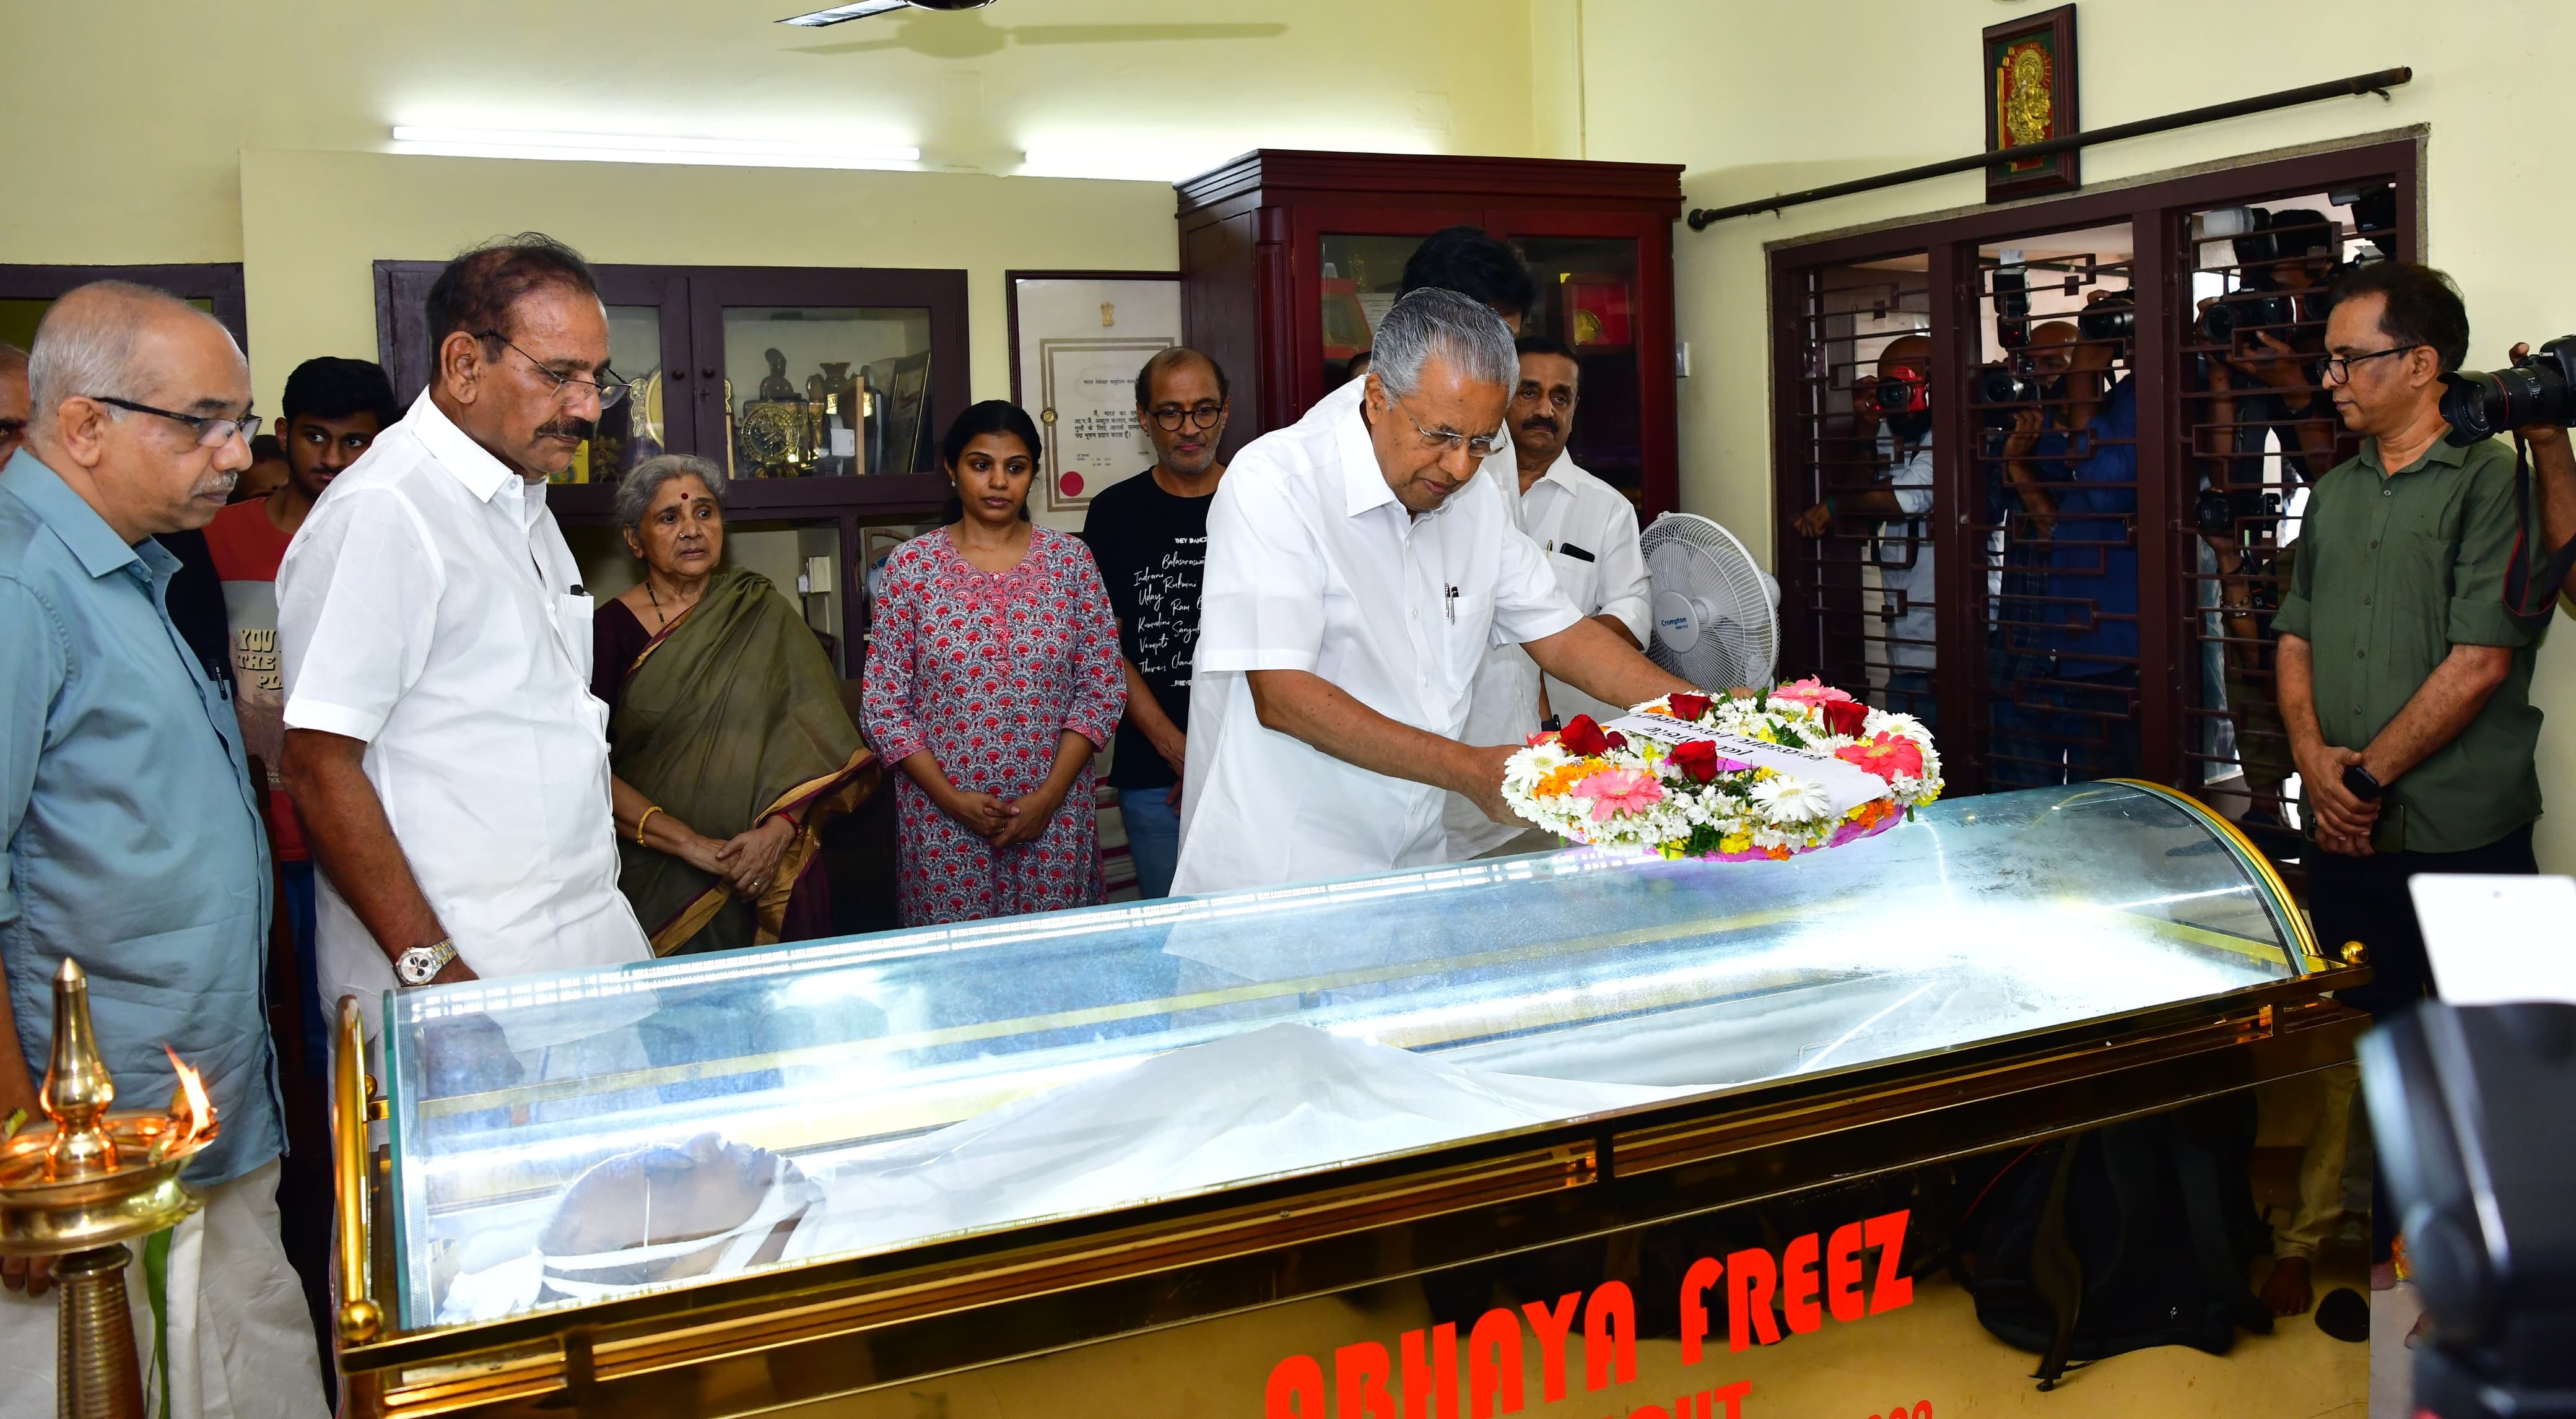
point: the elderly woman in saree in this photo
(993, 676)
(728, 746)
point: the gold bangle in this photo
(640, 822)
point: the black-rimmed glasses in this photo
(2339, 370)
(213, 430)
(567, 386)
(1170, 417)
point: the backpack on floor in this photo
(2133, 1235)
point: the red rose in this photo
(1582, 736)
(1614, 739)
(1845, 717)
(1688, 709)
(1698, 758)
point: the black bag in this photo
(2133, 1235)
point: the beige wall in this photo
(133, 119)
(1759, 98)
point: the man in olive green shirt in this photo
(2398, 657)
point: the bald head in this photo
(145, 470)
(117, 338)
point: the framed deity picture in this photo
(1077, 340)
(2030, 98)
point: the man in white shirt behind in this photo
(1357, 572)
(1588, 532)
(442, 744)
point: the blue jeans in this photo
(1153, 837)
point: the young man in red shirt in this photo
(333, 410)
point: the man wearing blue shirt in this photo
(133, 833)
(2086, 708)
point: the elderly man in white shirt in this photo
(442, 745)
(1357, 572)
(1588, 532)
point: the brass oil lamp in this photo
(80, 1185)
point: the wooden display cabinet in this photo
(1288, 259)
(701, 338)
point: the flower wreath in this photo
(1731, 777)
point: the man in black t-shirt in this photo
(1149, 536)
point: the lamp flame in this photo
(190, 1109)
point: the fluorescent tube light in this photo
(838, 13)
(645, 148)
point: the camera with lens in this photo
(2114, 317)
(2540, 388)
(1889, 396)
(2219, 511)
(2245, 311)
(2000, 385)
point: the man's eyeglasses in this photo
(2339, 370)
(569, 387)
(1170, 417)
(1482, 446)
(212, 431)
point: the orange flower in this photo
(1558, 780)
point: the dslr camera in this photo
(2114, 317)
(2540, 388)
(1994, 389)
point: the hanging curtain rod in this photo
(2379, 83)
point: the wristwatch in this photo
(419, 964)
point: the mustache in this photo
(1540, 421)
(567, 427)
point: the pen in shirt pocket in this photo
(1577, 553)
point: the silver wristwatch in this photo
(419, 964)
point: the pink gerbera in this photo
(1615, 791)
(1810, 691)
(1890, 756)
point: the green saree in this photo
(730, 716)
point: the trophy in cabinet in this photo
(84, 1182)
(777, 433)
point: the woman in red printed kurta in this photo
(992, 678)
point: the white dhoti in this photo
(231, 1338)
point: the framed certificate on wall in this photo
(1077, 340)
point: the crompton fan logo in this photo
(1814, 1276)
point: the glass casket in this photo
(792, 1178)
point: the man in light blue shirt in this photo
(134, 844)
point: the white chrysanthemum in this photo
(1787, 798)
(1523, 770)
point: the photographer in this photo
(2553, 472)
(2081, 709)
(2020, 745)
(1900, 396)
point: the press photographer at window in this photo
(2081, 489)
(1899, 397)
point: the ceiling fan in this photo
(864, 8)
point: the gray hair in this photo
(636, 491)
(85, 344)
(1432, 322)
(12, 360)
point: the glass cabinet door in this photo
(1360, 276)
(1588, 299)
(820, 391)
(1587, 296)
(638, 427)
